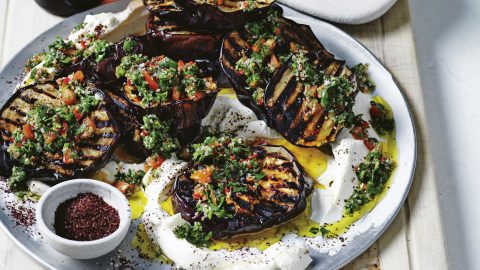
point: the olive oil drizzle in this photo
(314, 162)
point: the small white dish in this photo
(49, 202)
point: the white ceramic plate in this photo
(365, 232)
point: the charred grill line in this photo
(277, 198)
(97, 149)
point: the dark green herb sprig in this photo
(194, 234)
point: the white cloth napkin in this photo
(342, 11)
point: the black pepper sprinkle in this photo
(86, 217)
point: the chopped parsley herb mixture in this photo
(373, 174)
(194, 234)
(335, 94)
(365, 84)
(162, 79)
(63, 52)
(156, 137)
(53, 132)
(128, 182)
(245, 5)
(259, 65)
(381, 122)
(131, 177)
(129, 44)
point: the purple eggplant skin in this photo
(186, 115)
(237, 41)
(41, 171)
(180, 42)
(221, 18)
(103, 72)
(198, 15)
(288, 112)
(266, 214)
(168, 10)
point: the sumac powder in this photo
(86, 217)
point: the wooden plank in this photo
(425, 239)
(25, 21)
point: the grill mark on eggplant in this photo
(18, 111)
(277, 198)
(39, 90)
(13, 114)
(29, 100)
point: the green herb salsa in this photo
(225, 161)
(64, 52)
(54, 132)
(151, 82)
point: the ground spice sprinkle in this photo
(86, 217)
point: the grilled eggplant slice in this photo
(309, 100)
(250, 56)
(177, 91)
(103, 71)
(230, 199)
(208, 14)
(86, 144)
(181, 42)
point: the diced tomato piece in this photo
(260, 101)
(202, 176)
(28, 132)
(83, 44)
(67, 157)
(144, 133)
(155, 161)
(64, 129)
(375, 111)
(78, 76)
(277, 31)
(365, 124)
(66, 80)
(129, 83)
(150, 81)
(49, 137)
(357, 133)
(369, 144)
(197, 196)
(78, 115)
(220, 2)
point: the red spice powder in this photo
(86, 217)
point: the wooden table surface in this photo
(414, 240)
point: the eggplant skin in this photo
(201, 15)
(186, 115)
(181, 42)
(99, 149)
(280, 197)
(289, 111)
(235, 45)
